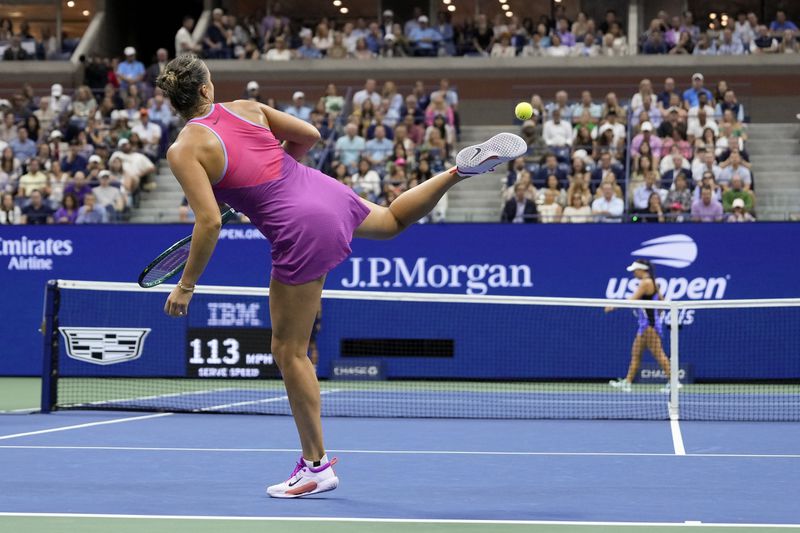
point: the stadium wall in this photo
(696, 261)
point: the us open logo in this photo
(104, 346)
(677, 251)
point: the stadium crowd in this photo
(85, 157)
(20, 43)
(277, 38)
(672, 155)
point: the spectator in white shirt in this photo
(675, 160)
(184, 44)
(149, 133)
(697, 125)
(705, 162)
(743, 30)
(645, 93)
(367, 179)
(59, 102)
(557, 132)
(367, 92)
(608, 208)
(557, 49)
(279, 52)
(641, 196)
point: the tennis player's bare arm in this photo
(646, 283)
(195, 156)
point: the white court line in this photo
(677, 437)
(389, 520)
(146, 398)
(395, 452)
(23, 410)
(81, 426)
(253, 402)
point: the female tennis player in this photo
(245, 154)
(651, 323)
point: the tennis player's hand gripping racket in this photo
(172, 260)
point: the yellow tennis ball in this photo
(524, 111)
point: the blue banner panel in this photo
(693, 261)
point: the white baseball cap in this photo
(252, 85)
(104, 174)
(388, 13)
(122, 142)
(55, 134)
(646, 126)
(298, 94)
(636, 265)
(95, 159)
(130, 51)
(56, 89)
(422, 18)
(738, 202)
(697, 76)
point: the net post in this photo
(50, 348)
(674, 362)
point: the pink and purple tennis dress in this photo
(308, 216)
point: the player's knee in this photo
(283, 351)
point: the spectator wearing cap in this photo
(387, 22)
(706, 208)
(739, 212)
(298, 108)
(136, 166)
(23, 147)
(253, 92)
(692, 94)
(646, 135)
(149, 133)
(184, 43)
(737, 191)
(94, 165)
(424, 39)
(59, 102)
(130, 72)
(37, 212)
(109, 197)
(91, 212)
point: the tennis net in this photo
(379, 354)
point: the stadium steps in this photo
(775, 156)
(478, 199)
(162, 204)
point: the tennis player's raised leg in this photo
(412, 205)
(293, 309)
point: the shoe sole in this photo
(484, 157)
(324, 486)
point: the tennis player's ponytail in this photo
(181, 81)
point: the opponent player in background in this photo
(651, 322)
(245, 154)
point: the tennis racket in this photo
(172, 260)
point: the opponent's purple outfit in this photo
(650, 317)
(308, 216)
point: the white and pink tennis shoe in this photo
(484, 157)
(306, 480)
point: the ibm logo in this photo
(233, 314)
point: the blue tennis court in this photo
(558, 473)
